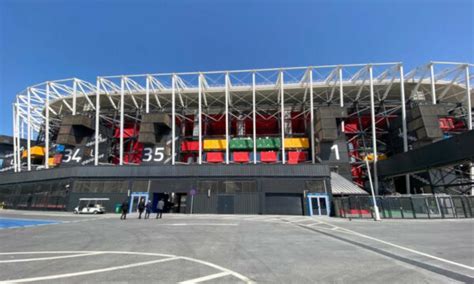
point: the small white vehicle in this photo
(90, 206)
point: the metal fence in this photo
(406, 207)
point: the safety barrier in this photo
(406, 207)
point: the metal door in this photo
(135, 198)
(225, 204)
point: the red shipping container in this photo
(268, 157)
(215, 157)
(351, 127)
(241, 157)
(446, 123)
(188, 146)
(295, 157)
(127, 132)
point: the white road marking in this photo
(205, 278)
(168, 257)
(238, 275)
(66, 275)
(340, 229)
(200, 224)
(48, 258)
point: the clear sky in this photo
(44, 40)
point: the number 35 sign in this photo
(155, 155)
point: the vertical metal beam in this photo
(46, 132)
(311, 115)
(227, 118)
(74, 97)
(14, 139)
(200, 117)
(341, 90)
(404, 121)
(433, 87)
(254, 120)
(469, 102)
(282, 103)
(469, 118)
(97, 119)
(173, 118)
(147, 95)
(19, 121)
(122, 117)
(28, 143)
(374, 130)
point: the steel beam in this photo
(227, 82)
(311, 115)
(341, 90)
(97, 120)
(374, 130)
(173, 117)
(404, 122)
(14, 138)
(200, 118)
(147, 90)
(433, 87)
(122, 118)
(74, 97)
(29, 131)
(254, 120)
(282, 104)
(46, 132)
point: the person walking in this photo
(141, 208)
(148, 209)
(124, 210)
(159, 209)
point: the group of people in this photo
(142, 207)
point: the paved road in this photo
(236, 249)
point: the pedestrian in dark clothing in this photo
(124, 210)
(148, 209)
(159, 209)
(141, 208)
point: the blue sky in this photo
(44, 40)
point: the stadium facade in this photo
(268, 141)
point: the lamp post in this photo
(376, 208)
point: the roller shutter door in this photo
(283, 203)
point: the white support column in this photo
(74, 97)
(469, 102)
(311, 115)
(282, 104)
(374, 130)
(200, 118)
(14, 139)
(433, 87)
(173, 118)
(254, 120)
(122, 117)
(19, 122)
(404, 121)
(97, 120)
(147, 98)
(227, 118)
(46, 131)
(469, 119)
(28, 143)
(341, 90)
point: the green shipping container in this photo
(268, 143)
(241, 144)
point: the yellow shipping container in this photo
(214, 144)
(292, 143)
(36, 151)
